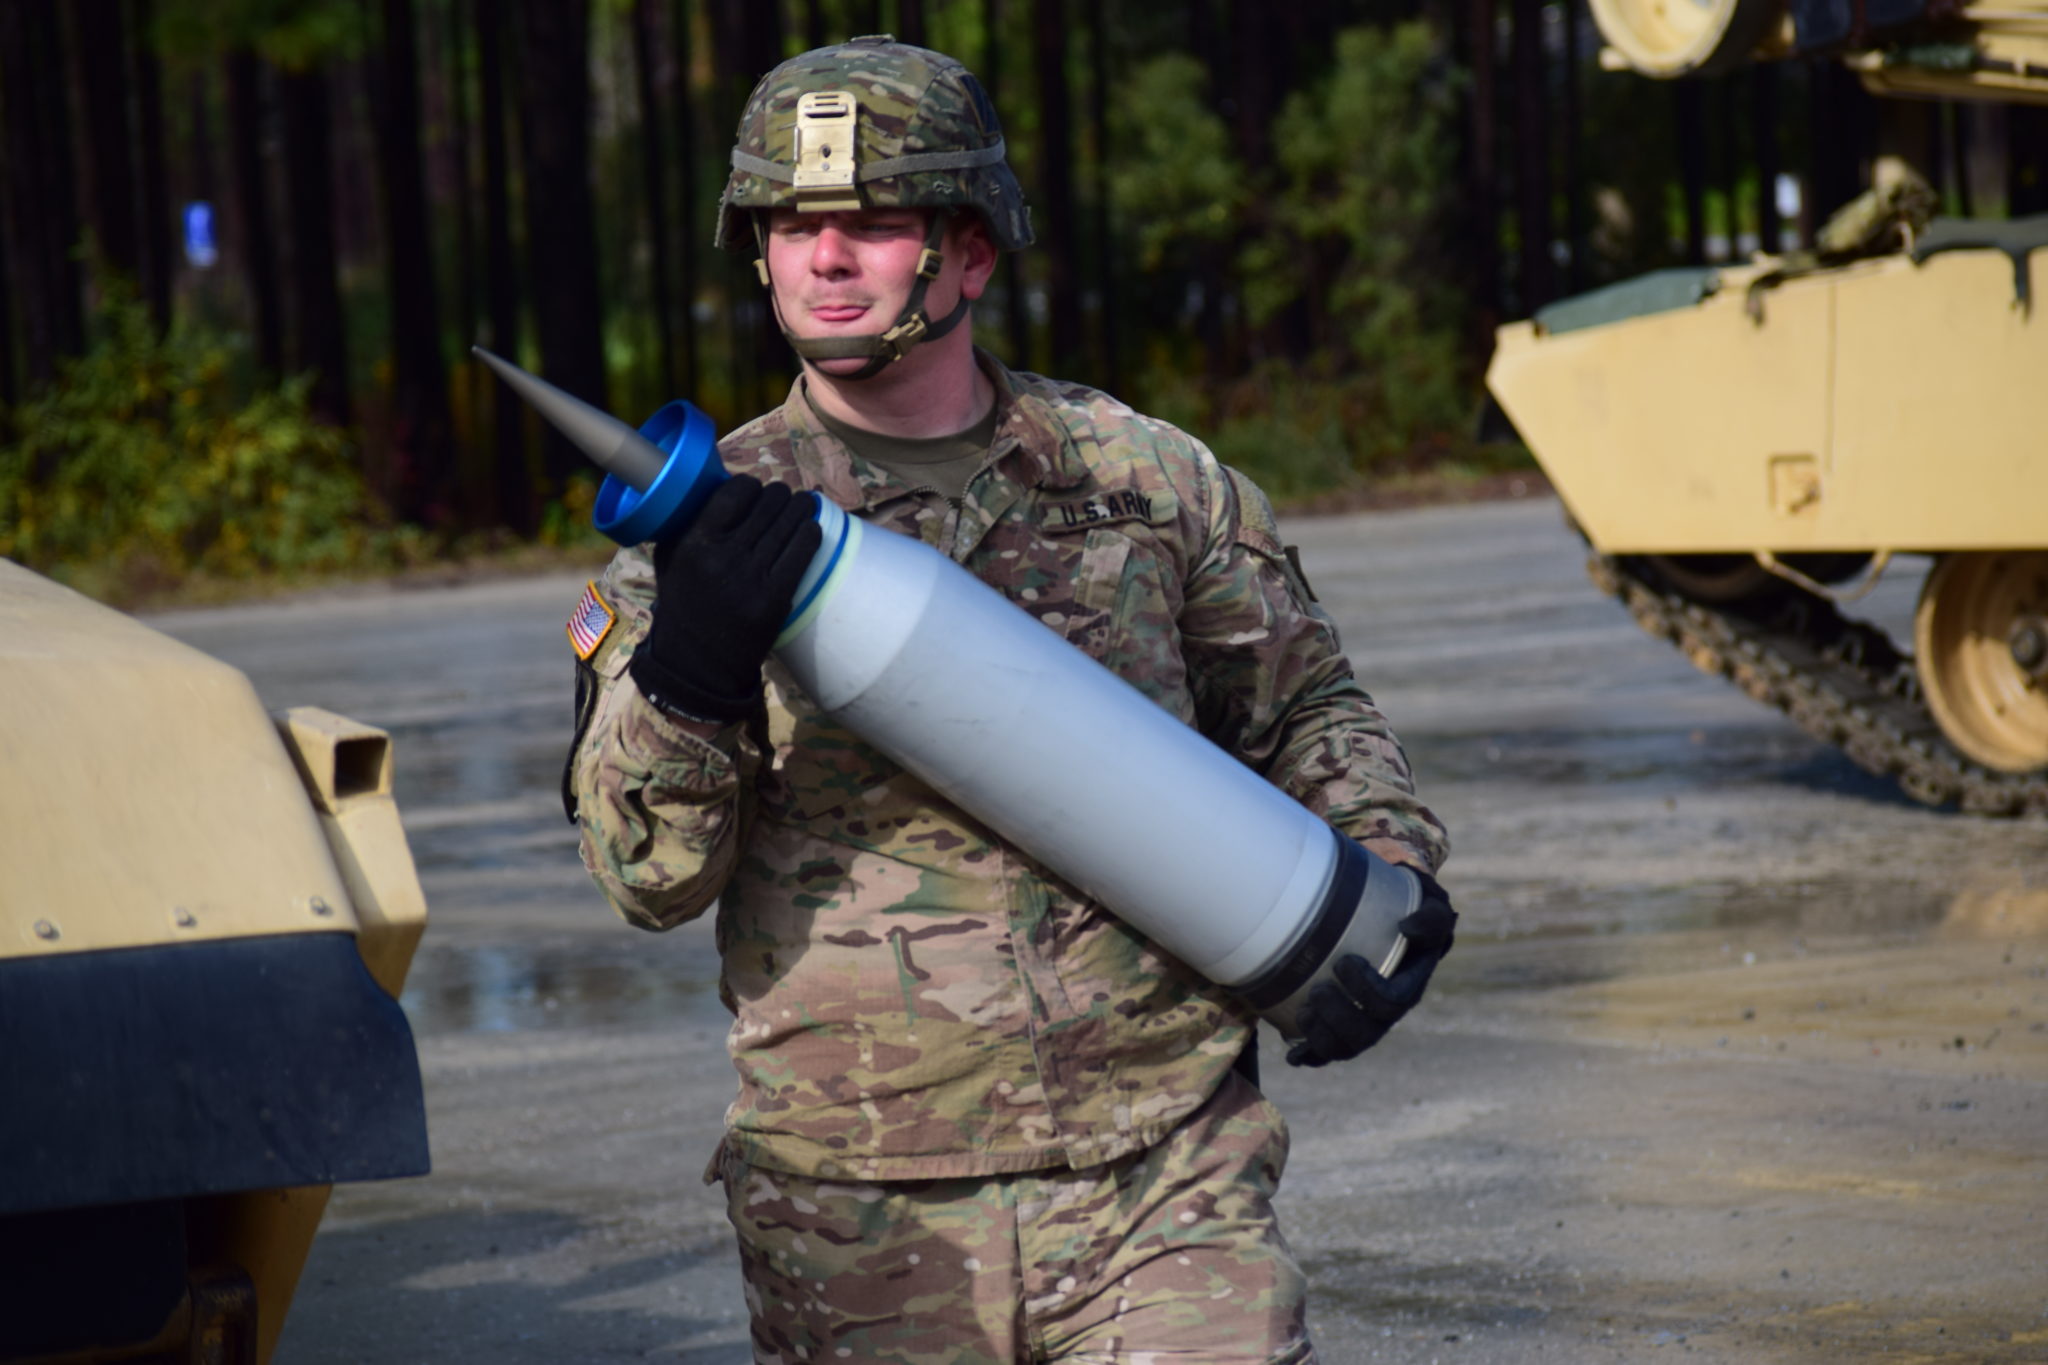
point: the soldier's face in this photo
(850, 274)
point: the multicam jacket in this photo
(914, 997)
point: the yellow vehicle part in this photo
(1684, 37)
(149, 800)
(1988, 50)
(346, 769)
(1877, 406)
(159, 833)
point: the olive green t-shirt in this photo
(942, 462)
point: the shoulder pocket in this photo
(593, 675)
(1259, 530)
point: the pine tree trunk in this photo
(1574, 161)
(1692, 166)
(1016, 317)
(256, 249)
(1764, 130)
(1056, 176)
(694, 231)
(514, 504)
(1107, 306)
(1728, 139)
(1482, 164)
(2027, 168)
(99, 50)
(561, 226)
(746, 312)
(154, 219)
(1840, 114)
(1959, 158)
(42, 204)
(1210, 258)
(422, 445)
(1532, 156)
(458, 157)
(1253, 74)
(761, 40)
(10, 384)
(319, 342)
(653, 181)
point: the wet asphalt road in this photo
(1741, 1056)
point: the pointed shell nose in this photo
(612, 445)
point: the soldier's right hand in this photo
(722, 590)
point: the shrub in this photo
(1334, 253)
(141, 466)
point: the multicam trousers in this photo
(1169, 1255)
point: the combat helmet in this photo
(872, 123)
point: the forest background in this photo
(245, 245)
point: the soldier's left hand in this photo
(1343, 1018)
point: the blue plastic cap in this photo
(690, 439)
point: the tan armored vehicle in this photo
(1745, 446)
(205, 917)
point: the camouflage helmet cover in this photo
(926, 136)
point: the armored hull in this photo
(206, 915)
(1744, 447)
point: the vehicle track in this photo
(1842, 680)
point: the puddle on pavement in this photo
(1562, 936)
(485, 759)
(1540, 936)
(503, 988)
(1769, 752)
(1581, 757)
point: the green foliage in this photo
(141, 467)
(1290, 433)
(293, 33)
(1365, 157)
(1333, 250)
(1175, 180)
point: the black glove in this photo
(1343, 1018)
(721, 591)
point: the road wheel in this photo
(1981, 637)
(1699, 37)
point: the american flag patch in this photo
(592, 620)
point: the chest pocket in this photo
(1118, 595)
(1098, 584)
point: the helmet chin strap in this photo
(881, 349)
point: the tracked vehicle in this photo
(1744, 447)
(206, 915)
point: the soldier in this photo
(979, 1119)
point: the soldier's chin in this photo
(839, 368)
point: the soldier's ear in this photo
(970, 242)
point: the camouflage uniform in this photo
(978, 1117)
(916, 998)
(1169, 1254)
(934, 1033)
